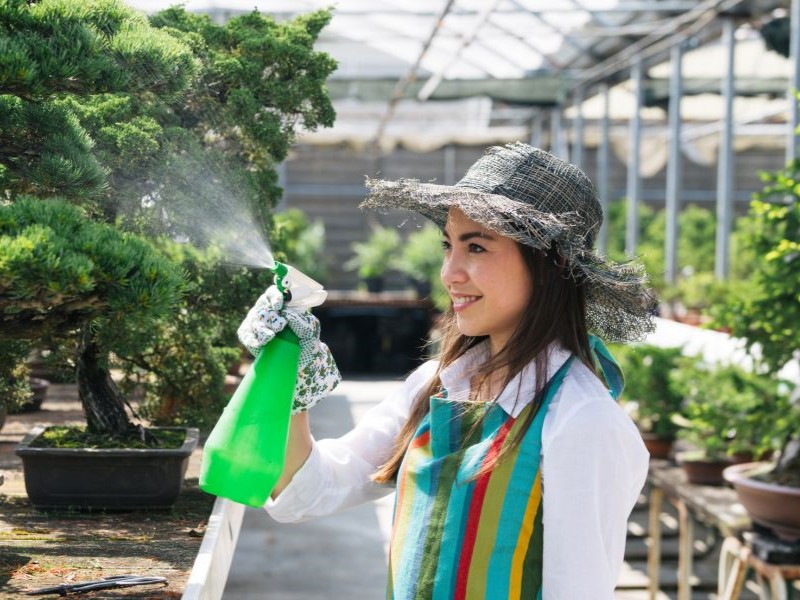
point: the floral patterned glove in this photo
(317, 374)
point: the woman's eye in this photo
(475, 248)
(445, 245)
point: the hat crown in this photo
(535, 177)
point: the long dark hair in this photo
(556, 311)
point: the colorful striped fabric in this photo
(457, 535)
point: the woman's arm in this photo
(594, 466)
(329, 475)
(298, 450)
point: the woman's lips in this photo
(462, 302)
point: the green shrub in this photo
(729, 410)
(647, 394)
(421, 255)
(375, 256)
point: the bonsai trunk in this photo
(788, 470)
(102, 401)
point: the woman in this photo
(515, 469)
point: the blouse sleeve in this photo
(593, 468)
(337, 473)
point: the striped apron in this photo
(458, 536)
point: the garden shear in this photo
(116, 581)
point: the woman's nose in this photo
(452, 270)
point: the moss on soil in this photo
(77, 437)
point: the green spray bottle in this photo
(244, 455)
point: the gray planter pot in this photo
(110, 479)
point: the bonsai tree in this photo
(141, 125)
(15, 390)
(63, 275)
(258, 80)
(729, 411)
(767, 316)
(375, 256)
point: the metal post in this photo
(603, 168)
(794, 82)
(449, 164)
(725, 162)
(577, 129)
(557, 133)
(537, 130)
(634, 180)
(673, 200)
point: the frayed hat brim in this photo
(619, 306)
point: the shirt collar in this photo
(517, 394)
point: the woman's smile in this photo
(486, 277)
(463, 302)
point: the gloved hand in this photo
(317, 374)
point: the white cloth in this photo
(594, 465)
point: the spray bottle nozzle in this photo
(282, 280)
(297, 287)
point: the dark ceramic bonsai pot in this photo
(768, 504)
(658, 447)
(702, 471)
(108, 479)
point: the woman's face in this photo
(486, 277)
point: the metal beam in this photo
(565, 35)
(656, 6)
(725, 162)
(674, 170)
(634, 186)
(558, 141)
(603, 168)
(402, 84)
(537, 130)
(577, 128)
(437, 77)
(681, 27)
(794, 82)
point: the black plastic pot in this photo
(109, 479)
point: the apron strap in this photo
(605, 363)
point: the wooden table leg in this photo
(777, 585)
(654, 540)
(685, 550)
(732, 570)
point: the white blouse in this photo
(594, 465)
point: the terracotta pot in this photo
(703, 471)
(774, 506)
(656, 446)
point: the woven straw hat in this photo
(537, 199)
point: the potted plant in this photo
(118, 151)
(647, 396)
(14, 381)
(420, 258)
(375, 256)
(766, 318)
(729, 415)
